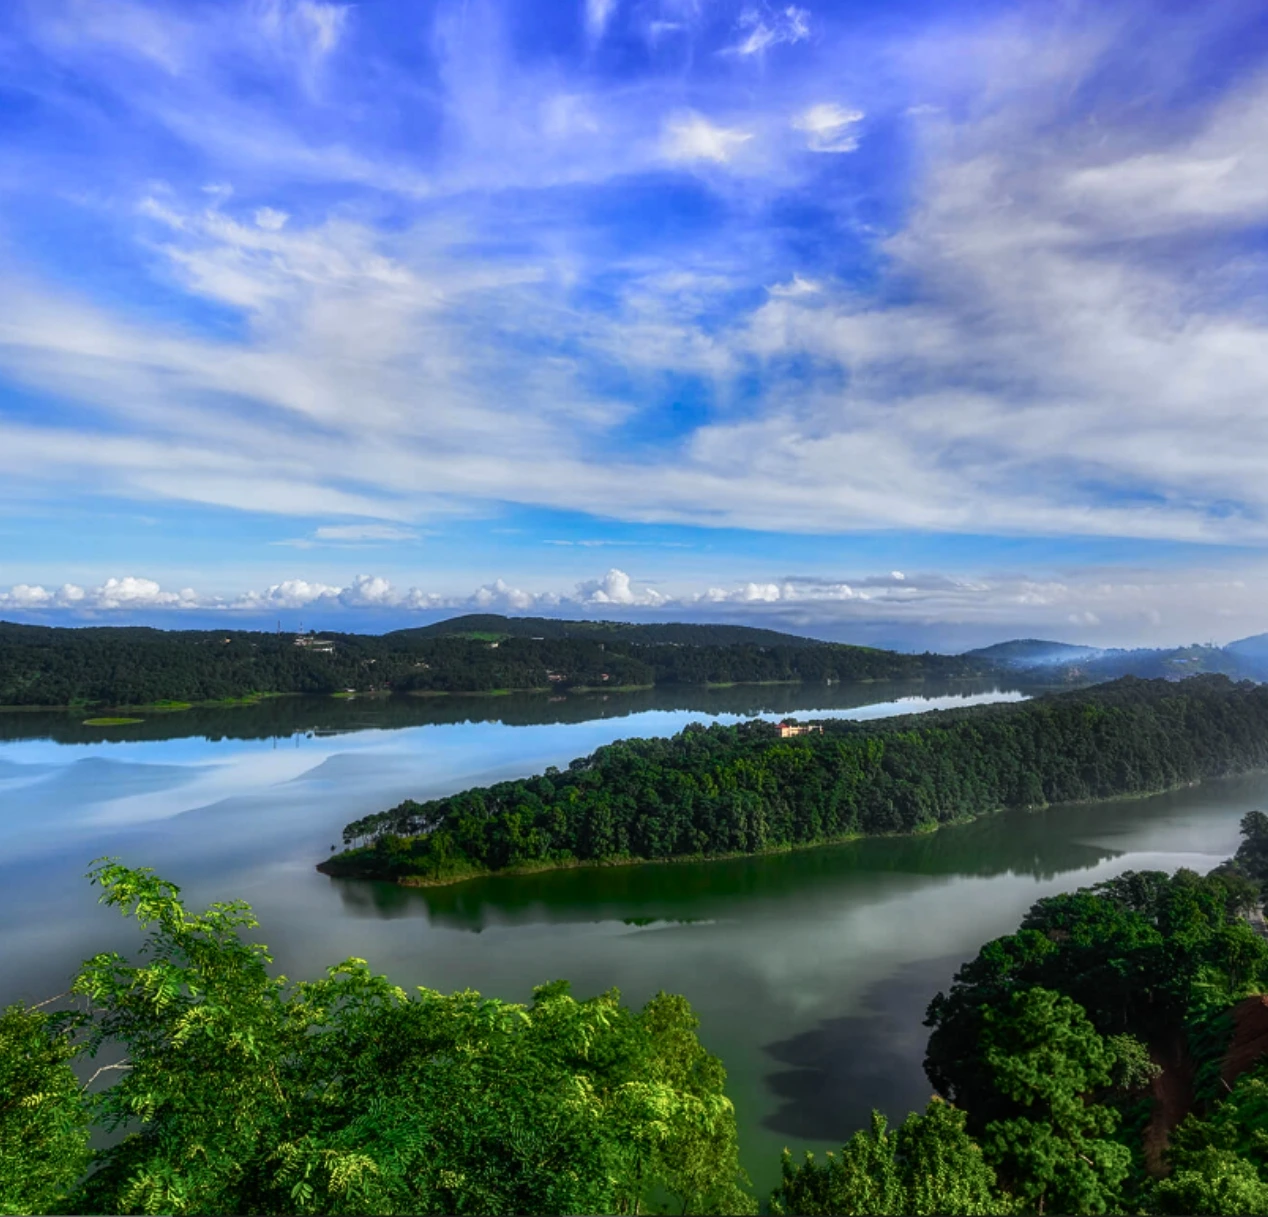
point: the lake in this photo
(810, 971)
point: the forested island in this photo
(1108, 1057)
(134, 666)
(744, 789)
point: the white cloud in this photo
(131, 592)
(829, 127)
(1036, 360)
(797, 286)
(316, 26)
(291, 593)
(598, 14)
(692, 137)
(270, 219)
(128, 592)
(616, 588)
(367, 591)
(349, 533)
(764, 30)
(501, 595)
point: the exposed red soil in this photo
(1173, 1097)
(1250, 1037)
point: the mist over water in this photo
(810, 970)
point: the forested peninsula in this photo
(135, 666)
(745, 789)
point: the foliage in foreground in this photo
(243, 1093)
(928, 1165)
(43, 1124)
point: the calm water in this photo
(810, 971)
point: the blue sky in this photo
(906, 322)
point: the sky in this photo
(916, 324)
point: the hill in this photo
(1025, 653)
(491, 626)
(1252, 653)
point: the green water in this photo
(810, 971)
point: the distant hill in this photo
(493, 626)
(1061, 661)
(1252, 652)
(1023, 653)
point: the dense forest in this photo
(744, 788)
(134, 666)
(1108, 1057)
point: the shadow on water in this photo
(836, 1072)
(1011, 843)
(283, 717)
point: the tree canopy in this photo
(240, 1092)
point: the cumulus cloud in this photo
(128, 592)
(692, 137)
(829, 127)
(290, 593)
(1158, 607)
(616, 588)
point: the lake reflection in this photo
(810, 970)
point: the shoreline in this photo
(174, 706)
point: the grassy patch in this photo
(111, 722)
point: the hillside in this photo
(112, 666)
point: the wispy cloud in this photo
(503, 271)
(692, 137)
(829, 127)
(762, 29)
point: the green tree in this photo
(1215, 1181)
(244, 1093)
(929, 1165)
(1045, 1056)
(1220, 1161)
(43, 1123)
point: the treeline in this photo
(1105, 1058)
(744, 789)
(120, 666)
